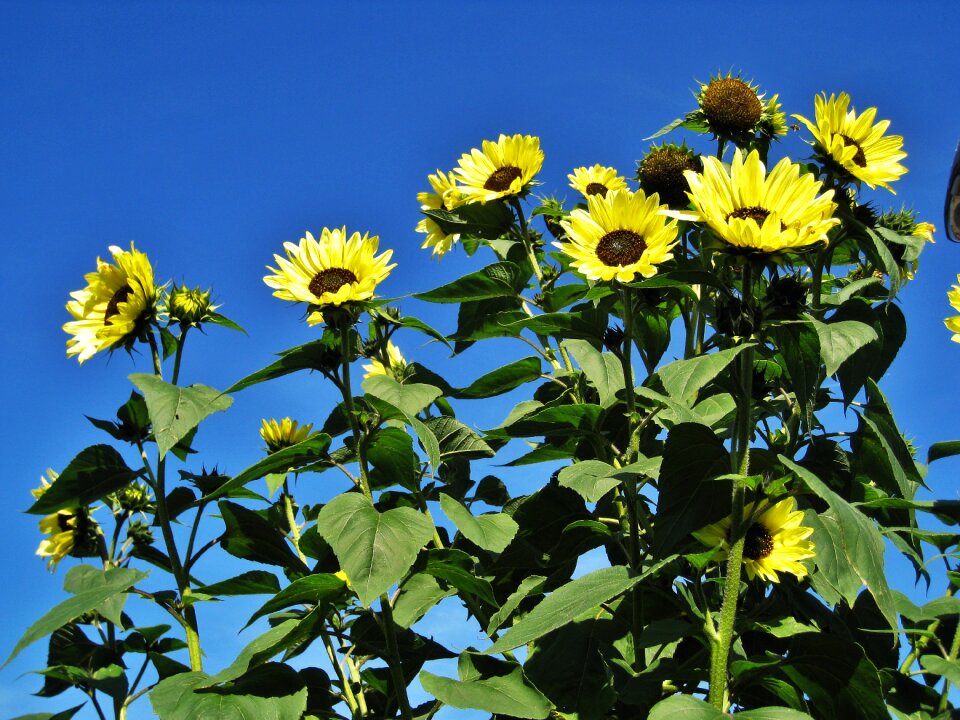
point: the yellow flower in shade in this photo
(111, 309)
(445, 196)
(330, 271)
(854, 142)
(755, 211)
(62, 527)
(619, 236)
(953, 323)
(395, 359)
(596, 180)
(775, 542)
(282, 434)
(503, 168)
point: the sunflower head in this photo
(908, 239)
(445, 196)
(661, 171)
(753, 211)
(853, 146)
(133, 498)
(619, 236)
(953, 323)
(596, 180)
(188, 306)
(70, 532)
(331, 272)
(116, 305)
(775, 540)
(733, 109)
(283, 434)
(392, 365)
(505, 168)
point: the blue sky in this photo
(210, 133)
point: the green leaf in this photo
(175, 699)
(492, 531)
(562, 324)
(249, 536)
(530, 584)
(603, 370)
(501, 380)
(82, 578)
(94, 473)
(429, 441)
(799, 348)
(457, 440)
(840, 340)
(848, 542)
(683, 379)
(174, 410)
(252, 582)
(950, 669)
(418, 594)
(590, 479)
(554, 421)
(940, 450)
(311, 590)
(374, 549)
(409, 399)
(311, 450)
(257, 651)
(315, 355)
(685, 707)
(392, 459)
(502, 279)
(459, 570)
(564, 604)
(224, 321)
(509, 695)
(62, 715)
(487, 220)
(117, 580)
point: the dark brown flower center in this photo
(502, 178)
(331, 280)
(731, 105)
(620, 248)
(758, 214)
(661, 172)
(113, 307)
(758, 543)
(597, 189)
(860, 160)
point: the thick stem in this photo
(348, 695)
(292, 522)
(347, 391)
(396, 666)
(626, 361)
(181, 341)
(527, 244)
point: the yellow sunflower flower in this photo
(756, 211)
(395, 359)
(282, 434)
(446, 196)
(953, 323)
(775, 542)
(854, 142)
(504, 168)
(330, 271)
(113, 306)
(62, 527)
(619, 236)
(596, 180)
(734, 109)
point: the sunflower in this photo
(857, 145)
(282, 434)
(734, 109)
(446, 196)
(330, 271)
(112, 309)
(504, 168)
(395, 362)
(596, 180)
(661, 171)
(619, 236)
(775, 541)
(755, 211)
(953, 323)
(62, 526)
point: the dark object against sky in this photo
(951, 210)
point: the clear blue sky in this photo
(210, 133)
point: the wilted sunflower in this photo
(445, 196)
(856, 144)
(395, 362)
(619, 236)
(503, 168)
(775, 542)
(282, 434)
(111, 310)
(330, 271)
(733, 109)
(596, 180)
(756, 211)
(953, 323)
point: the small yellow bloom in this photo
(925, 231)
(953, 323)
(596, 180)
(854, 142)
(287, 432)
(340, 574)
(775, 542)
(504, 168)
(62, 527)
(395, 362)
(190, 306)
(445, 196)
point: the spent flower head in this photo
(662, 171)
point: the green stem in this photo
(348, 695)
(396, 666)
(292, 522)
(626, 361)
(347, 390)
(181, 341)
(528, 246)
(954, 650)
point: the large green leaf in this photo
(312, 590)
(116, 581)
(840, 340)
(249, 536)
(799, 348)
(458, 569)
(252, 582)
(503, 693)
(564, 604)
(848, 542)
(418, 594)
(175, 699)
(175, 411)
(304, 453)
(502, 279)
(487, 220)
(492, 531)
(590, 479)
(260, 649)
(553, 421)
(683, 379)
(375, 549)
(313, 355)
(687, 707)
(456, 440)
(409, 399)
(603, 370)
(501, 380)
(950, 669)
(62, 715)
(83, 578)
(944, 449)
(95, 472)
(392, 459)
